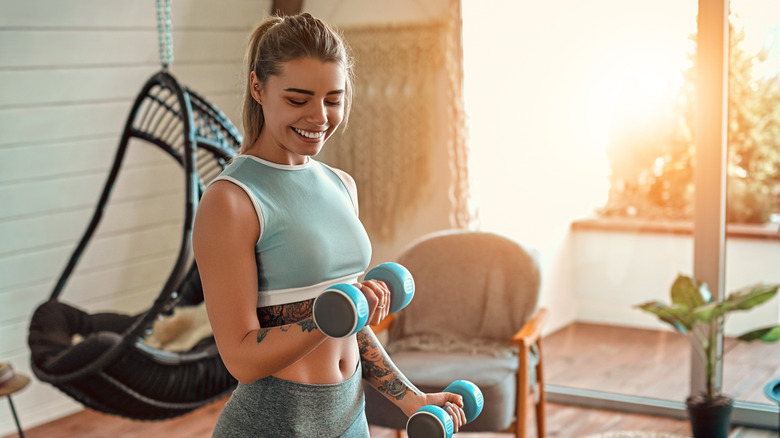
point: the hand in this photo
(451, 403)
(378, 297)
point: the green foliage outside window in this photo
(652, 154)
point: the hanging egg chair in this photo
(111, 368)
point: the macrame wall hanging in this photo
(390, 141)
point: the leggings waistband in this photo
(273, 407)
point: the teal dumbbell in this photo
(342, 310)
(434, 422)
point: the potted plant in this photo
(694, 314)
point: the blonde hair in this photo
(281, 39)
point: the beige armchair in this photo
(474, 317)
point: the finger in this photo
(462, 416)
(381, 309)
(459, 400)
(374, 297)
(450, 409)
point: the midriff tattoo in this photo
(379, 370)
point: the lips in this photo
(314, 135)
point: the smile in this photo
(310, 134)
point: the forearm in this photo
(268, 350)
(381, 373)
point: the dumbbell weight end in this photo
(434, 422)
(340, 311)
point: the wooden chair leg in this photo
(399, 433)
(540, 429)
(522, 393)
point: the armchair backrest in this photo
(469, 284)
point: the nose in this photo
(318, 113)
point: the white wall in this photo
(615, 271)
(68, 74)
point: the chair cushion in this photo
(432, 372)
(51, 336)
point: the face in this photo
(302, 107)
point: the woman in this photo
(273, 231)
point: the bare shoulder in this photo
(225, 211)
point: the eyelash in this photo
(303, 102)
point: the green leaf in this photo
(678, 316)
(741, 300)
(748, 298)
(709, 312)
(766, 334)
(690, 293)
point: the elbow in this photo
(243, 373)
(244, 376)
(245, 381)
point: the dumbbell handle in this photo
(342, 310)
(434, 422)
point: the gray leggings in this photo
(272, 407)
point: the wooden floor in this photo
(607, 358)
(651, 363)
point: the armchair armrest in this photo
(382, 330)
(384, 325)
(532, 330)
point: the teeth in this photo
(310, 134)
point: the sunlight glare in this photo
(541, 88)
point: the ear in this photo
(255, 88)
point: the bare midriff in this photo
(334, 361)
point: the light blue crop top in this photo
(310, 234)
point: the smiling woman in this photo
(302, 107)
(273, 231)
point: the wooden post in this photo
(286, 7)
(709, 218)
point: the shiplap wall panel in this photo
(28, 125)
(31, 162)
(42, 48)
(56, 229)
(73, 85)
(121, 13)
(69, 85)
(43, 267)
(59, 122)
(20, 199)
(87, 287)
(69, 73)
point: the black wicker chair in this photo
(111, 370)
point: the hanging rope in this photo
(165, 32)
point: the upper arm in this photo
(225, 232)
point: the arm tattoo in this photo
(261, 334)
(284, 316)
(394, 387)
(306, 325)
(272, 316)
(379, 370)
